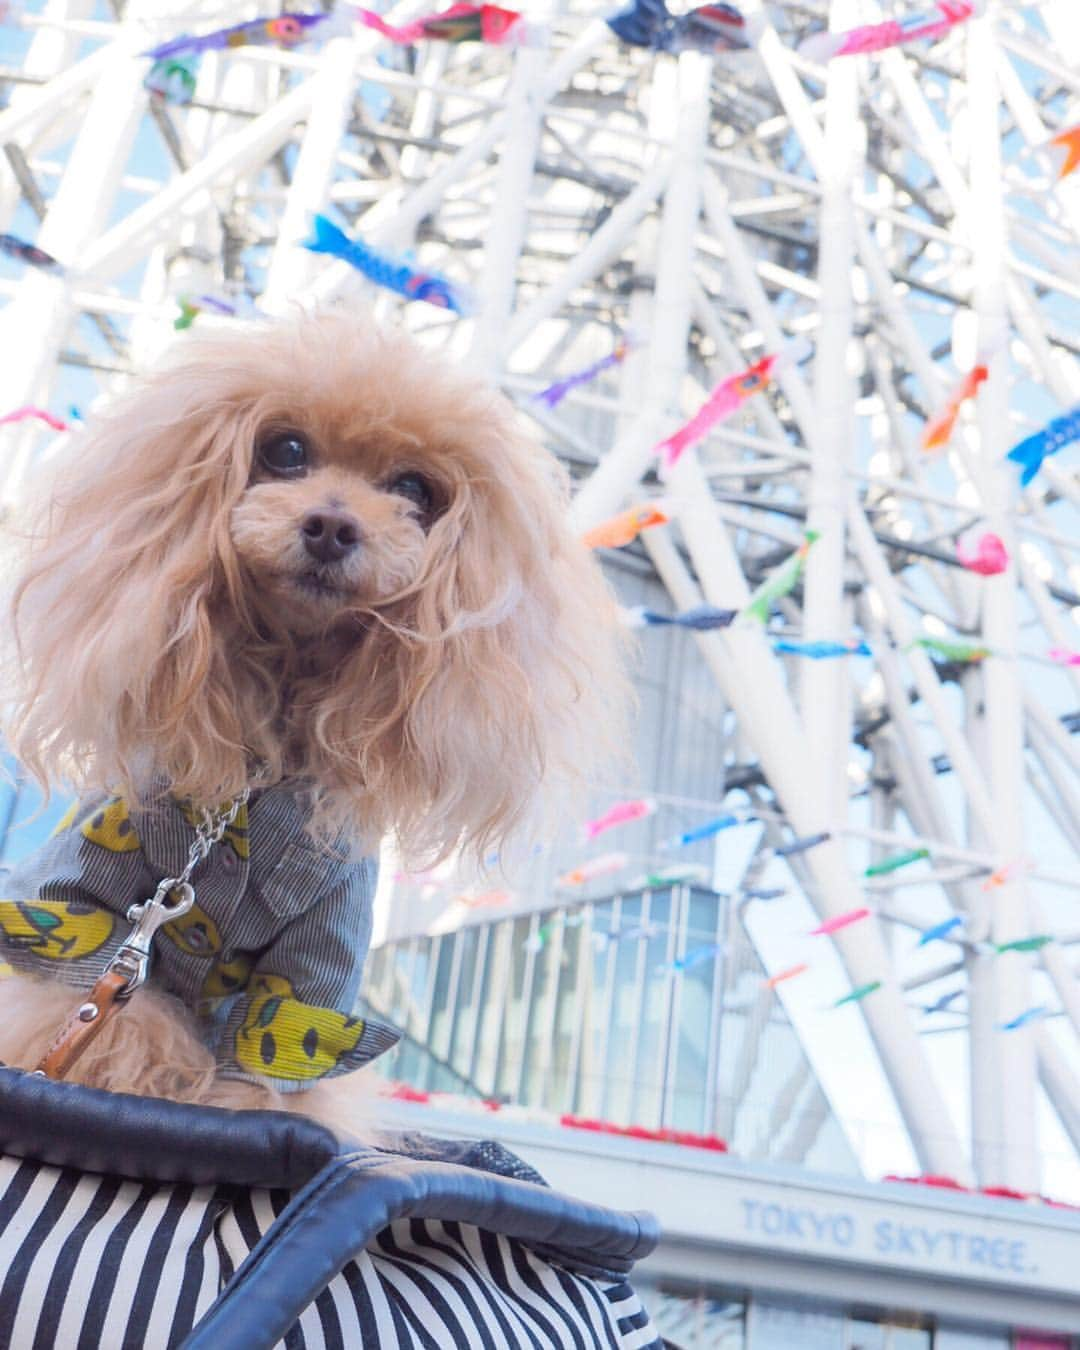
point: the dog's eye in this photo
(415, 488)
(284, 454)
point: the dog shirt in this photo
(268, 958)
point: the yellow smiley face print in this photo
(285, 1038)
(58, 930)
(111, 828)
(229, 973)
(195, 933)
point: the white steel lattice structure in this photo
(889, 209)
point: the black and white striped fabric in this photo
(99, 1263)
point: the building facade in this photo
(645, 1007)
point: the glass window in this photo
(949, 1338)
(867, 1336)
(417, 992)
(399, 992)
(438, 1028)
(513, 1027)
(409, 1063)
(376, 972)
(871, 1333)
(541, 1013)
(695, 1320)
(626, 1011)
(695, 1019)
(706, 1319)
(599, 963)
(466, 1011)
(557, 1091)
(908, 1338)
(493, 992)
(782, 1326)
(658, 995)
(767, 1102)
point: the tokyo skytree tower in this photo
(899, 227)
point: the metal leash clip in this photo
(132, 960)
(130, 967)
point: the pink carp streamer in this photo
(938, 431)
(988, 558)
(727, 398)
(459, 23)
(879, 37)
(620, 814)
(1063, 656)
(40, 414)
(840, 921)
(595, 867)
(788, 973)
(1001, 876)
(486, 899)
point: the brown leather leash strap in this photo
(130, 966)
(124, 974)
(83, 1025)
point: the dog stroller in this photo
(127, 1223)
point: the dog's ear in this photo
(116, 642)
(501, 686)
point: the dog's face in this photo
(311, 546)
(336, 519)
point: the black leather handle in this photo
(356, 1196)
(147, 1139)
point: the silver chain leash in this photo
(173, 897)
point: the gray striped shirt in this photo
(270, 956)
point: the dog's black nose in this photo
(330, 536)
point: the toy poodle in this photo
(308, 569)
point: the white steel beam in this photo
(825, 695)
(233, 155)
(680, 116)
(1057, 1073)
(309, 190)
(34, 324)
(506, 227)
(1001, 710)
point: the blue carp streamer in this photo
(392, 273)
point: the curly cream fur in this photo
(467, 671)
(153, 1049)
(459, 674)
